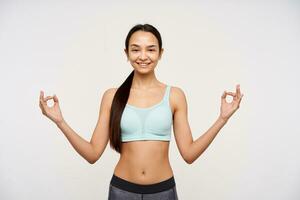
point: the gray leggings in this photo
(120, 189)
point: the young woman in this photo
(137, 118)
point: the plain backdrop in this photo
(74, 49)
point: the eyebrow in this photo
(135, 45)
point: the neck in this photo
(144, 81)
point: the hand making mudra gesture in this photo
(227, 109)
(54, 112)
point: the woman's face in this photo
(143, 51)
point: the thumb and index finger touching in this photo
(43, 99)
(238, 94)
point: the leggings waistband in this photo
(142, 189)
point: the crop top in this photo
(151, 123)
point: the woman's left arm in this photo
(189, 149)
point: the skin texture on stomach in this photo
(144, 162)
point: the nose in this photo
(143, 55)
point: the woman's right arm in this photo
(100, 135)
(83, 147)
(90, 151)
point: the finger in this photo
(41, 95)
(238, 90)
(47, 98)
(55, 98)
(231, 94)
(42, 101)
(241, 98)
(223, 99)
(223, 95)
(42, 107)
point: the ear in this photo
(161, 52)
(126, 53)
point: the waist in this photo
(144, 161)
(142, 188)
(143, 173)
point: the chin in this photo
(144, 70)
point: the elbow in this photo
(92, 161)
(93, 157)
(188, 157)
(189, 161)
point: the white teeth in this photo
(143, 64)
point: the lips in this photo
(143, 64)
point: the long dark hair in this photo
(121, 96)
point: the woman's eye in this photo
(151, 49)
(134, 50)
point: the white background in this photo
(75, 50)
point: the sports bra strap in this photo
(167, 93)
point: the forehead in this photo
(142, 38)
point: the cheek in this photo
(154, 57)
(133, 57)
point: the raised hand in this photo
(54, 112)
(227, 109)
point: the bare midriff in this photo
(144, 162)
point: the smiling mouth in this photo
(143, 64)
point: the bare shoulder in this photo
(108, 96)
(110, 91)
(177, 97)
(177, 90)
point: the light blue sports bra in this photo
(151, 123)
